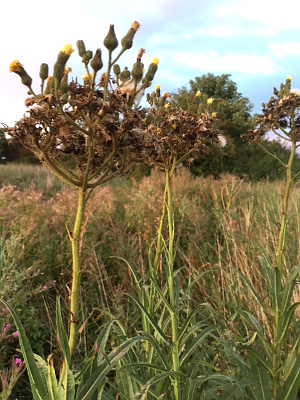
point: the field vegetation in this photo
(221, 225)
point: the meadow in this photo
(223, 229)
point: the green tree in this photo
(233, 118)
(232, 108)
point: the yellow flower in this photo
(16, 67)
(67, 49)
(155, 60)
(157, 87)
(210, 100)
(289, 78)
(85, 76)
(198, 94)
(213, 115)
(166, 95)
(173, 126)
(167, 105)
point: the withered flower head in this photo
(135, 26)
(141, 53)
(127, 40)
(280, 114)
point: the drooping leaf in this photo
(39, 390)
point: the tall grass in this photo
(221, 228)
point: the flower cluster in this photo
(96, 123)
(280, 115)
(173, 134)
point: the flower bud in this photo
(50, 85)
(151, 71)
(127, 40)
(149, 118)
(64, 85)
(96, 62)
(81, 47)
(125, 75)
(44, 71)
(87, 57)
(137, 71)
(58, 71)
(157, 90)
(117, 70)
(111, 41)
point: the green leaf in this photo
(292, 384)
(288, 290)
(253, 321)
(252, 290)
(144, 390)
(98, 377)
(151, 320)
(261, 378)
(39, 390)
(62, 336)
(161, 295)
(259, 359)
(288, 316)
(187, 322)
(52, 381)
(196, 342)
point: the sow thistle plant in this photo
(97, 125)
(275, 362)
(166, 366)
(100, 127)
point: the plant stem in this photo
(76, 273)
(171, 285)
(289, 179)
(277, 306)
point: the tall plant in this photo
(97, 125)
(167, 365)
(275, 362)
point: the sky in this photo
(257, 42)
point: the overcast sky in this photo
(257, 42)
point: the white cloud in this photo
(275, 15)
(218, 31)
(213, 62)
(285, 49)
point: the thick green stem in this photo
(289, 180)
(171, 286)
(277, 306)
(75, 237)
